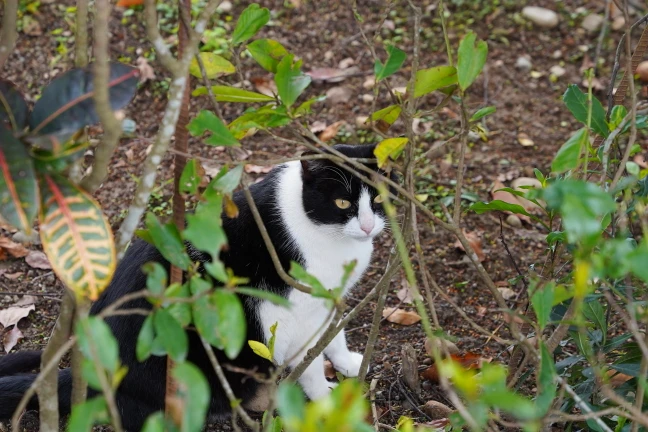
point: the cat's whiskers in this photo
(346, 181)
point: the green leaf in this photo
(471, 59)
(616, 116)
(482, 207)
(576, 102)
(267, 52)
(249, 23)
(264, 295)
(181, 311)
(193, 389)
(569, 154)
(305, 108)
(208, 121)
(191, 177)
(226, 182)
(76, 236)
(390, 147)
(299, 273)
(171, 335)
(94, 337)
(18, 186)
(593, 311)
(233, 94)
(388, 115)
(638, 259)
(428, 80)
(273, 337)
(84, 416)
(156, 280)
(546, 383)
(483, 112)
(542, 302)
(260, 349)
(290, 80)
(204, 228)
(13, 108)
(582, 206)
(291, 405)
(231, 321)
(395, 60)
(145, 339)
(166, 239)
(219, 318)
(215, 66)
(66, 104)
(154, 423)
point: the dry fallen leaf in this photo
(640, 160)
(11, 338)
(404, 294)
(145, 70)
(616, 379)
(436, 410)
(436, 343)
(17, 311)
(332, 75)
(265, 85)
(467, 361)
(401, 316)
(38, 259)
(507, 293)
(331, 131)
(11, 249)
(329, 370)
(317, 126)
(12, 276)
(475, 242)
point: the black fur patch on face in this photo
(324, 182)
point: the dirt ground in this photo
(325, 33)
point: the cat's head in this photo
(339, 201)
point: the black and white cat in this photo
(317, 214)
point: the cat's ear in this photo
(309, 166)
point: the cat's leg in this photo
(344, 361)
(313, 381)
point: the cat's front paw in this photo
(349, 365)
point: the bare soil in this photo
(324, 33)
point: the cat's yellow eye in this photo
(343, 204)
(378, 199)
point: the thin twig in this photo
(234, 403)
(81, 34)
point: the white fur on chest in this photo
(325, 253)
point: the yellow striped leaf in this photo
(76, 237)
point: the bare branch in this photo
(111, 126)
(8, 34)
(81, 34)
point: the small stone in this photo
(328, 55)
(225, 6)
(369, 83)
(557, 71)
(22, 237)
(557, 54)
(542, 17)
(514, 221)
(361, 122)
(338, 95)
(618, 23)
(523, 63)
(592, 23)
(346, 63)
(436, 344)
(642, 71)
(367, 98)
(436, 410)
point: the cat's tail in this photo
(12, 389)
(19, 362)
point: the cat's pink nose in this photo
(367, 228)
